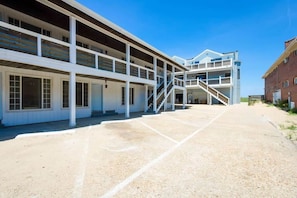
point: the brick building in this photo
(281, 77)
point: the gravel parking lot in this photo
(202, 151)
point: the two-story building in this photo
(59, 60)
(281, 77)
(213, 78)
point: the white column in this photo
(128, 59)
(72, 99)
(145, 97)
(72, 48)
(165, 84)
(185, 91)
(173, 91)
(155, 86)
(127, 99)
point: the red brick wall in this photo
(275, 80)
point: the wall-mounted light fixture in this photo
(105, 83)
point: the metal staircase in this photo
(213, 92)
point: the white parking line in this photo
(136, 174)
(158, 132)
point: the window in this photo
(30, 27)
(286, 60)
(295, 81)
(78, 43)
(65, 39)
(29, 93)
(285, 84)
(131, 101)
(13, 21)
(46, 32)
(238, 73)
(82, 94)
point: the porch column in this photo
(72, 99)
(127, 99)
(173, 91)
(185, 91)
(145, 97)
(128, 59)
(155, 86)
(165, 85)
(72, 48)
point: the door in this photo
(276, 96)
(97, 96)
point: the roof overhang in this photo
(290, 48)
(81, 11)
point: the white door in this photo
(276, 96)
(97, 96)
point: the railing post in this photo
(39, 50)
(220, 80)
(113, 65)
(147, 74)
(96, 61)
(138, 72)
(128, 59)
(72, 48)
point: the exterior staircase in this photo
(162, 95)
(213, 92)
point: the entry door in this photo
(97, 96)
(276, 96)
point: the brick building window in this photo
(295, 81)
(285, 84)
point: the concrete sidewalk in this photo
(203, 151)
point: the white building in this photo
(59, 60)
(213, 78)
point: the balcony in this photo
(221, 81)
(211, 65)
(21, 40)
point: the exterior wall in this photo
(1, 98)
(276, 79)
(111, 98)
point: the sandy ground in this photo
(203, 151)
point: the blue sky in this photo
(257, 29)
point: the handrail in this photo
(212, 64)
(215, 93)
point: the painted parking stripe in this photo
(136, 174)
(158, 132)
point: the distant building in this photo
(212, 78)
(281, 77)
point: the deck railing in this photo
(211, 81)
(22, 40)
(210, 65)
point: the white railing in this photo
(178, 82)
(211, 65)
(44, 46)
(211, 81)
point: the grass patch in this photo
(244, 99)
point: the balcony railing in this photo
(22, 40)
(211, 81)
(211, 65)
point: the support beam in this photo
(173, 91)
(72, 48)
(127, 101)
(72, 99)
(165, 84)
(185, 91)
(145, 98)
(155, 87)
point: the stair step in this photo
(110, 113)
(97, 113)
